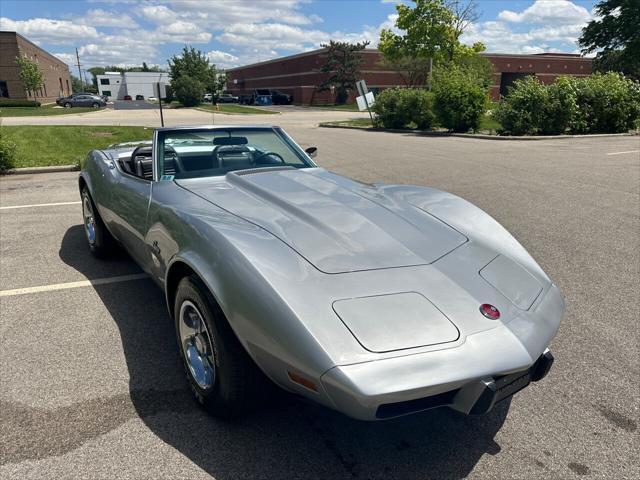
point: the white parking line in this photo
(622, 153)
(40, 205)
(65, 286)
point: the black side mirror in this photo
(311, 151)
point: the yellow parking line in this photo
(40, 205)
(68, 285)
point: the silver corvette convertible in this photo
(374, 300)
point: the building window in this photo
(4, 91)
(104, 81)
(106, 92)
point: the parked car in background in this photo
(60, 100)
(260, 96)
(227, 98)
(207, 98)
(280, 98)
(152, 99)
(139, 97)
(87, 100)
(128, 97)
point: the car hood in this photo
(328, 220)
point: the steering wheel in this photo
(269, 154)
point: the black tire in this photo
(101, 243)
(95, 105)
(238, 386)
(68, 105)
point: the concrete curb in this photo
(30, 170)
(478, 136)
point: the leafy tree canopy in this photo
(343, 61)
(194, 64)
(431, 29)
(30, 74)
(616, 33)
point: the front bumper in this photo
(471, 377)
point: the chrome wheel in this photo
(89, 220)
(196, 345)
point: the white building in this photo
(116, 85)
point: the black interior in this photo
(224, 158)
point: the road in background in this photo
(150, 117)
(92, 385)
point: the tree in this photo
(195, 65)
(616, 34)
(431, 36)
(30, 74)
(188, 90)
(343, 61)
(77, 85)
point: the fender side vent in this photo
(252, 171)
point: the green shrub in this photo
(14, 102)
(188, 91)
(7, 152)
(606, 103)
(460, 99)
(405, 107)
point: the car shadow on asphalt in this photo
(291, 439)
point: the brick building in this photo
(299, 75)
(57, 80)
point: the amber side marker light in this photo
(489, 311)
(300, 380)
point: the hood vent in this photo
(253, 171)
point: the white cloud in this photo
(223, 59)
(547, 12)
(102, 18)
(546, 21)
(57, 32)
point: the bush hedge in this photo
(405, 107)
(601, 103)
(188, 91)
(7, 152)
(14, 102)
(460, 99)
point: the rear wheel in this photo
(221, 374)
(101, 243)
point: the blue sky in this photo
(238, 32)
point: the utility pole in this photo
(79, 71)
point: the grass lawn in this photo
(235, 108)
(39, 111)
(349, 107)
(354, 122)
(38, 146)
(488, 123)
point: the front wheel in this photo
(222, 376)
(95, 105)
(101, 243)
(68, 105)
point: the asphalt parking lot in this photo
(91, 381)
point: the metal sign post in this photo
(366, 96)
(160, 90)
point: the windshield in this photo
(208, 153)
